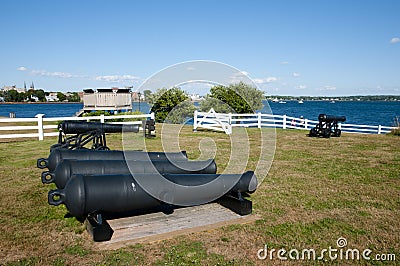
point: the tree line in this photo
(33, 95)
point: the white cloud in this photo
(395, 40)
(296, 74)
(53, 74)
(327, 88)
(240, 76)
(284, 63)
(117, 78)
(301, 87)
(22, 68)
(66, 75)
(265, 80)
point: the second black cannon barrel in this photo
(57, 155)
(66, 168)
(79, 127)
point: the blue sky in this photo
(305, 47)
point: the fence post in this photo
(230, 118)
(379, 129)
(306, 123)
(195, 121)
(259, 120)
(284, 122)
(102, 119)
(152, 116)
(40, 126)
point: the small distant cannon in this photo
(88, 132)
(327, 126)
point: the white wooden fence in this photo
(225, 122)
(38, 129)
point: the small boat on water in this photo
(301, 101)
(332, 101)
(275, 100)
(282, 102)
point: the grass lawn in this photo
(316, 191)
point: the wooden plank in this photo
(159, 226)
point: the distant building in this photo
(52, 97)
(113, 99)
(14, 87)
(34, 98)
(135, 96)
(195, 97)
(1, 99)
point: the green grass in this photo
(316, 191)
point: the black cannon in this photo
(67, 168)
(96, 197)
(327, 126)
(84, 195)
(85, 133)
(57, 155)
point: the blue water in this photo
(49, 109)
(356, 112)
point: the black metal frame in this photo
(79, 141)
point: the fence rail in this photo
(40, 127)
(225, 123)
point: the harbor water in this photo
(356, 112)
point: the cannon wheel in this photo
(326, 133)
(337, 133)
(313, 132)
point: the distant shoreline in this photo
(41, 102)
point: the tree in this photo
(13, 96)
(173, 104)
(146, 94)
(41, 95)
(61, 96)
(240, 97)
(74, 97)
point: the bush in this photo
(171, 104)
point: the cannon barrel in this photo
(331, 118)
(84, 195)
(67, 168)
(57, 155)
(79, 127)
